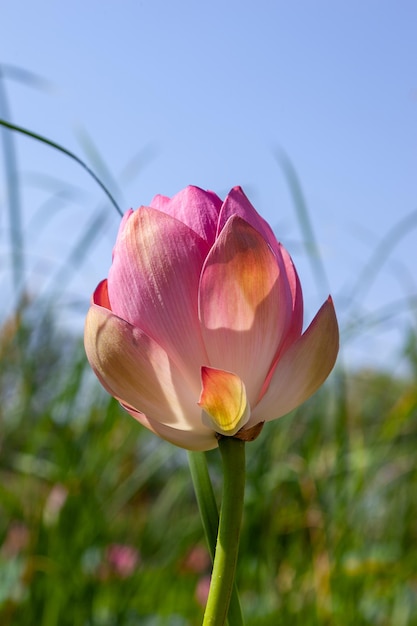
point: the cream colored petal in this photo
(137, 371)
(188, 439)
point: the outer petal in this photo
(188, 439)
(237, 203)
(125, 219)
(137, 371)
(223, 400)
(244, 304)
(197, 208)
(153, 283)
(302, 368)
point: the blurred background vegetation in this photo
(98, 520)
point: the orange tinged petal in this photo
(244, 304)
(223, 400)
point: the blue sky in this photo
(208, 93)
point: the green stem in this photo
(206, 500)
(233, 456)
(207, 506)
(210, 517)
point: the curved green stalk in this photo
(227, 547)
(210, 518)
(57, 146)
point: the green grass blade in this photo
(13, 199)
(304, 220)
(57, 146)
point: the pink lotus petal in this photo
(296, 295)
(237, 203)
(126, 217)
(296, 321)
(153, 283)
(137, 371)
(223, 400)
(244, 305)
(302, 369)
(197, 208)
(101, 295)
(193, 439)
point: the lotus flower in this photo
(198, 329)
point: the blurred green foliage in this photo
(98, 520)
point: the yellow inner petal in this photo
(223, 400)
